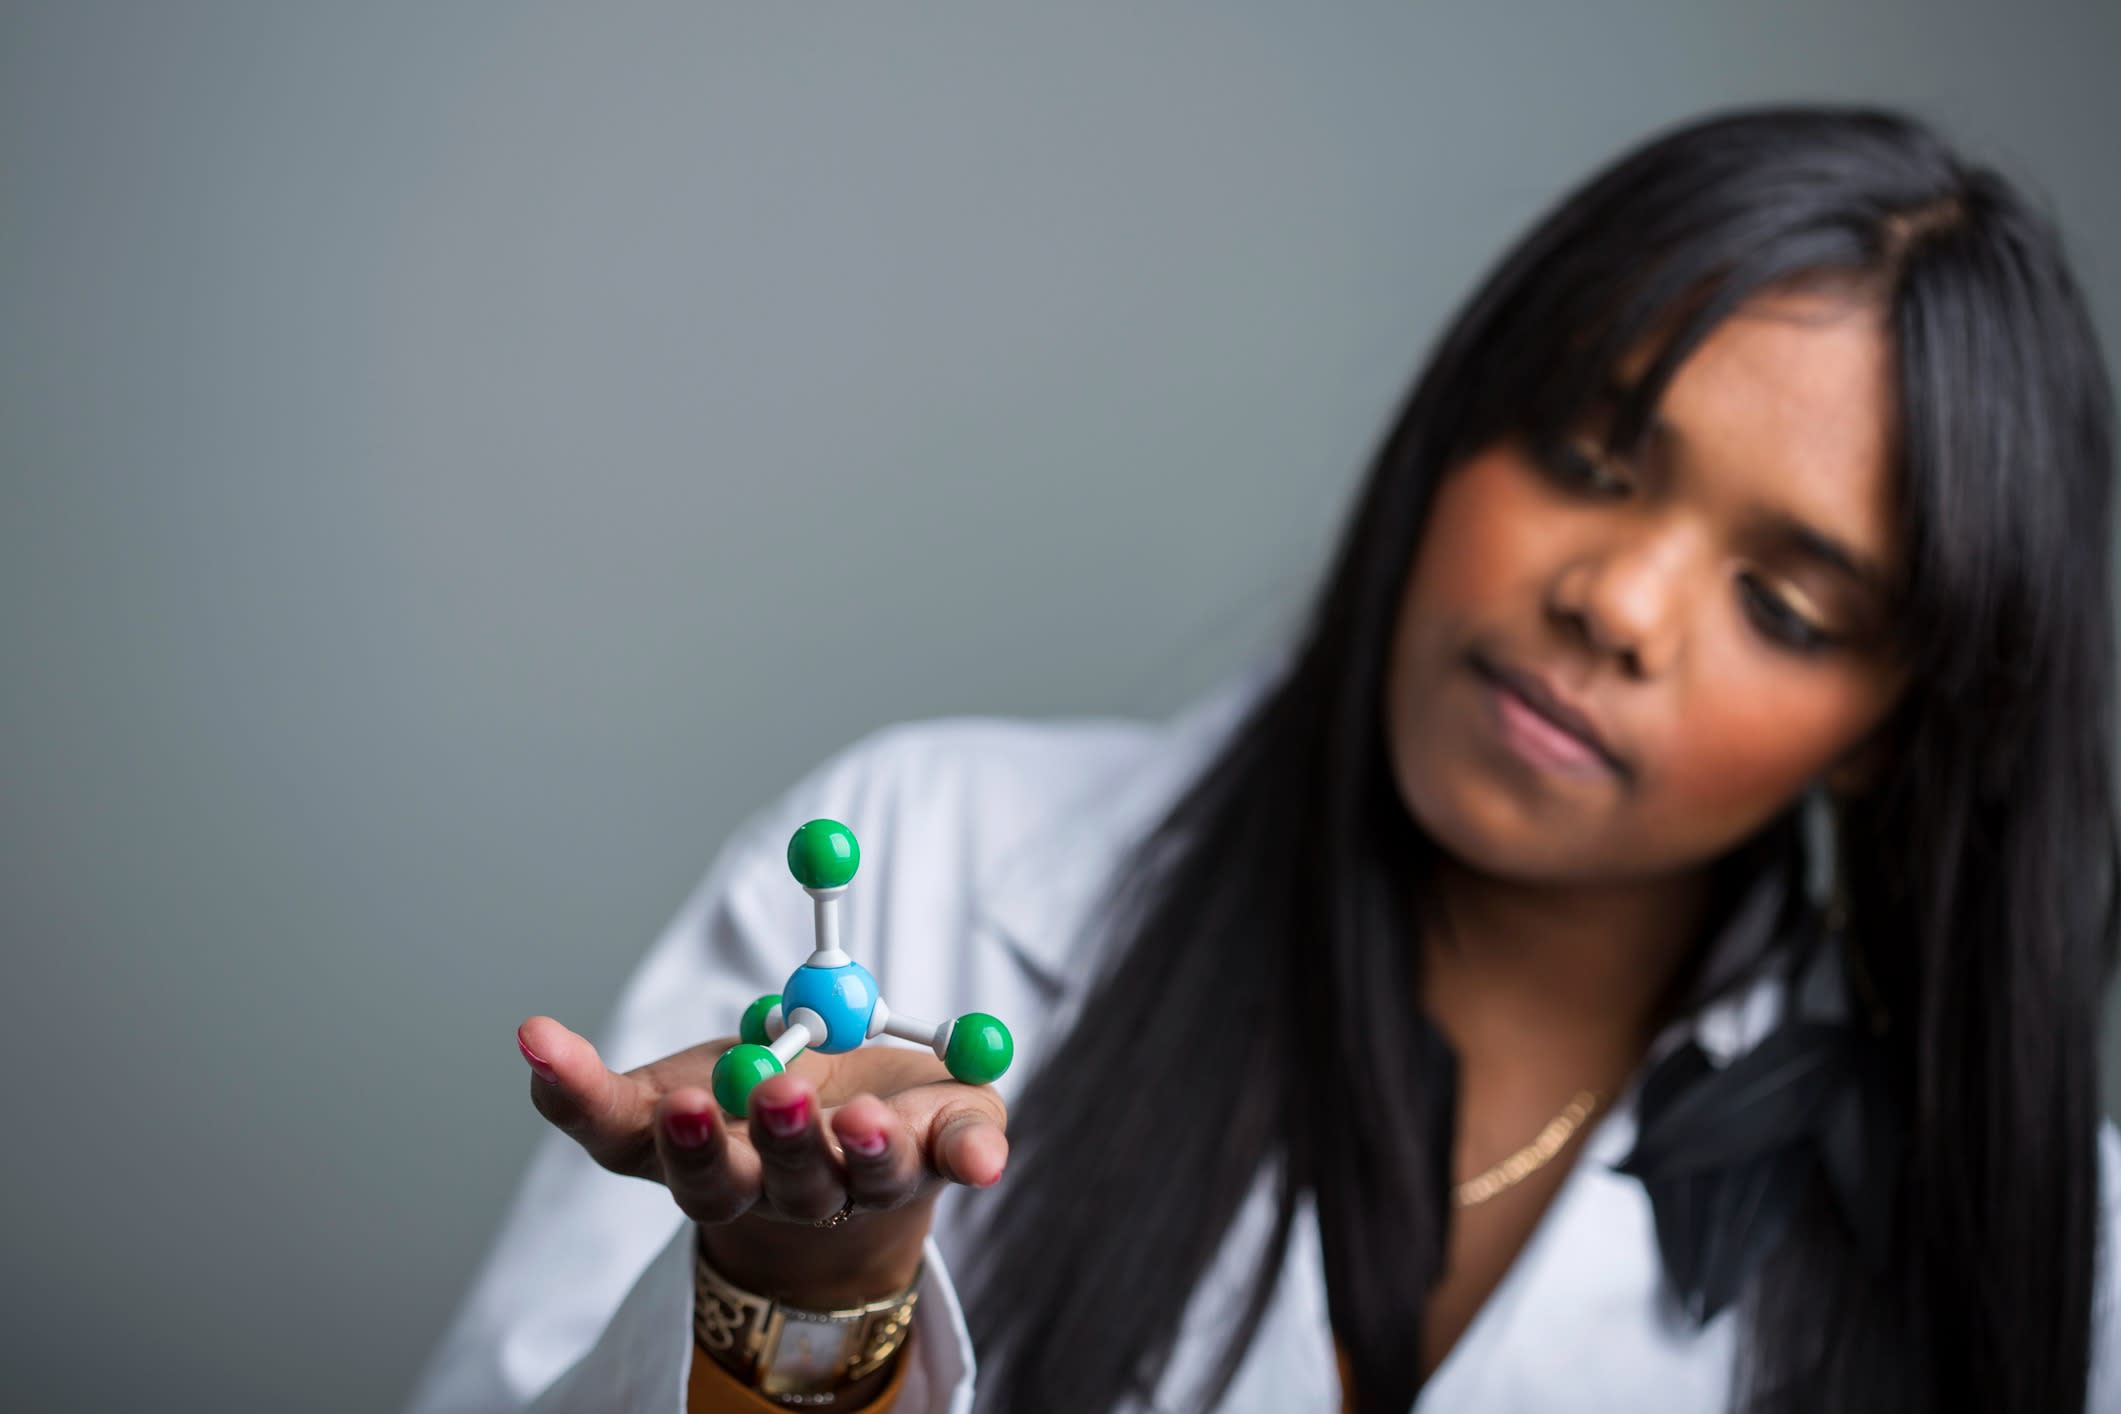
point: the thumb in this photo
(606, 1113)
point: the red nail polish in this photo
(785, 1120)
(537, 1062)
(867, 1145)
(688, 1131)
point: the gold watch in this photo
(789, 1354)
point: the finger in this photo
(961, 1130)
(712, 1178)
(606, 1113)
(798, 1172)
(882, 1160)
(970, 1148)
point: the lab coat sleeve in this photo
(2106, 1295)
(584, 1301)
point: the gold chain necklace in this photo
(1533, 1156)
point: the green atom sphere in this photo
(823, 855)
(753, 1026)
(980, 1049)
(739, 1072)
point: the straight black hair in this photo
(1273, 900)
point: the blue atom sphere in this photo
(823, 855)
(844, 996)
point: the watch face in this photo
(808, 1355)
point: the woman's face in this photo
(1680, 602)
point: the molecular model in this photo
(831, 1004)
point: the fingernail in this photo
(537, 1062)
(867, 1145)
(785, 1120)
(688, 1131)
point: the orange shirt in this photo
(713, 1390)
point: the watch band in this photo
(790, 1354)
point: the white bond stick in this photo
(826, 912)
(803, 1027)
(933, 1034)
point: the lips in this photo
(1543, 697)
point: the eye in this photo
(1582, 468)
(1781, 622)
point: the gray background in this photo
(459, 458)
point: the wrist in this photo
(872, 1256)
(833, 1354)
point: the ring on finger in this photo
(839, 1217)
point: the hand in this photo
(884, 1124)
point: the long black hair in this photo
(1272, 902)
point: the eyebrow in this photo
(1799, 536)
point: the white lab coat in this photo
(984, 843)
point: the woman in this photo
(1641, 948)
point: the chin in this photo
(1483, 826)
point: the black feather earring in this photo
(1727, 1154)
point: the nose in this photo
(1623, 599)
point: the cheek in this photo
(1741, 751)
(1483, 537)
